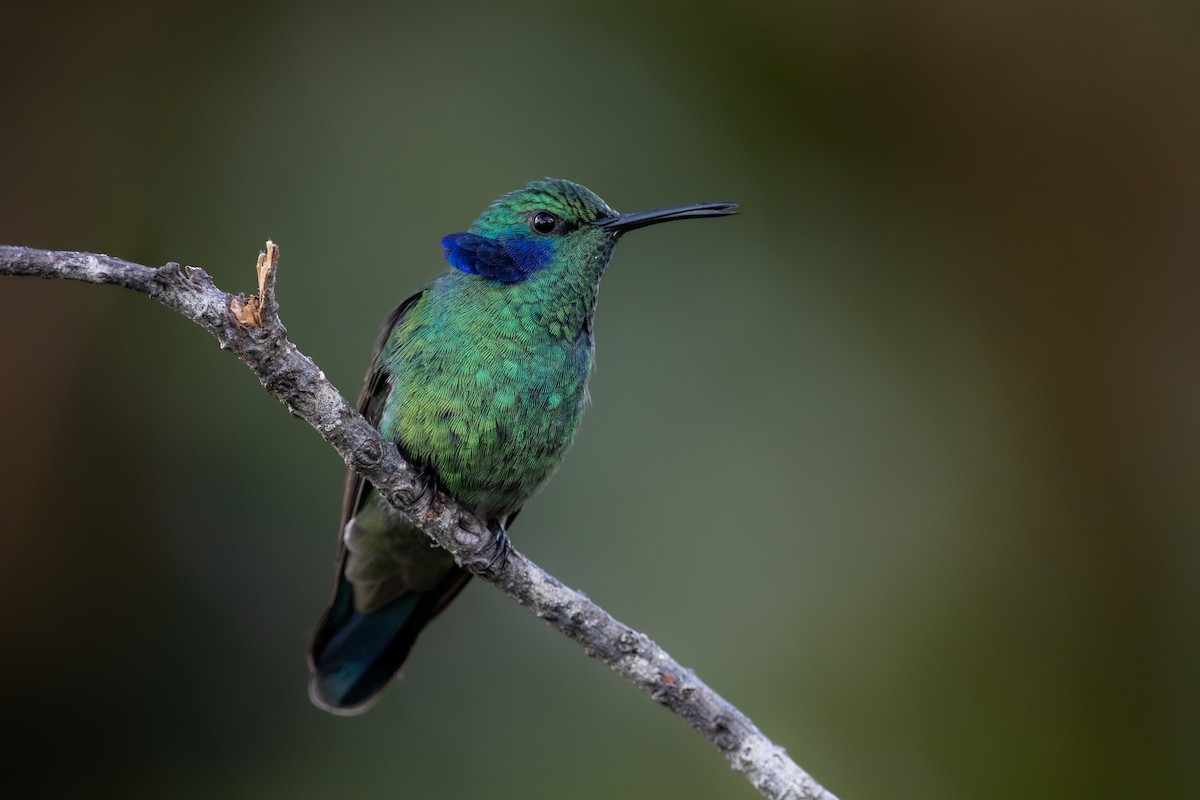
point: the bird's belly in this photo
(494, 425)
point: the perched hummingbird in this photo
(480, 378)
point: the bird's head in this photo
(528, 230)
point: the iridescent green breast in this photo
(486, 387)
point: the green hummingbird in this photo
(480, 378)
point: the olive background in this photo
(902, 460)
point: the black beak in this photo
(619, 223)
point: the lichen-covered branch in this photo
(250, 328)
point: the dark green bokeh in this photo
(903, 460)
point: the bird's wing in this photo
(356, 649)
(370, 405)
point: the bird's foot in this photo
(501, 547)
(423, 489)
(427, 483)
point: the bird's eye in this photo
(544, 222)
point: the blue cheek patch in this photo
(507, 260)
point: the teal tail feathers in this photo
(354, 655)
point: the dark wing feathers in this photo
(370, 405)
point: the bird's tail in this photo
(353, 654)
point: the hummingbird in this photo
(480, 378)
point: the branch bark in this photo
(251, 329)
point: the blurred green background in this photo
(903, 460)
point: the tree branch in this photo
(250, 328)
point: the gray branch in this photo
(250, 328)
